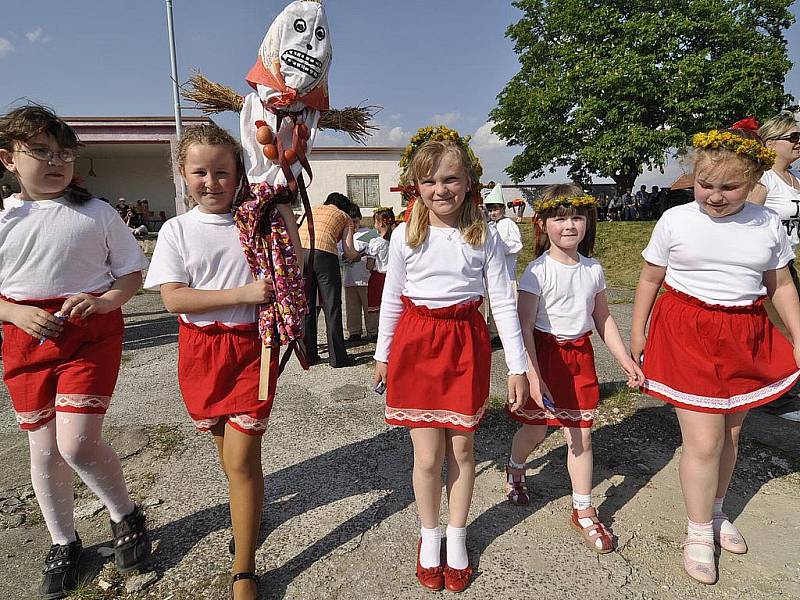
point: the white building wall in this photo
(331, 168)
(132, 178)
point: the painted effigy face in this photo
(298, 46)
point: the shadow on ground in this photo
(636, 449)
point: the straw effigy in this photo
(211, 98)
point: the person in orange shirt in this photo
(331, 225)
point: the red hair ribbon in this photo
(748, 124)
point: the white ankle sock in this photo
(581, 501)
(720, 519)
(700, 531)
(430, 553)
(457, 547)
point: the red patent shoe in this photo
(456, 580)
(430, 578)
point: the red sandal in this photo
(593, 533)
(516, 488)
(430, 578)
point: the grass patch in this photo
(619, 396)
(166, 440)
(497, 403)
(87, 591)
(618, 247)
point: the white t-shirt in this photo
(784, 200)
(379, 250)
(203, 251)
(55, 249)
(444, 271)
(566, 294)
(512, 240)
(355, 273)
(719, 260)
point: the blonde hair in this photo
(207, 134)
(425, 161)
(718, 157)
(564, 190)
(777, 126)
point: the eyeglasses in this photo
(793, 137)
(65, 156)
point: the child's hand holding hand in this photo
(36, 322)
(81, 306)
(633, 371)
(518, 391)
(258, 292)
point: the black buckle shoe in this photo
(251, 576)
(132, 547)
(61, 570)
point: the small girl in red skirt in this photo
(67, 265)
(433, 351)
(562, 298)
(378, 261)
(202, 273)
(711, 350)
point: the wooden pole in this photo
(265, 375)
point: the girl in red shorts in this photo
(202, 273)
(67, 265)
(562, 298)
(433, 351)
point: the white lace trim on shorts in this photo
(561, 414)
(83, 401)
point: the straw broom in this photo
(211, 98)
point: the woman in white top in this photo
(779, 189)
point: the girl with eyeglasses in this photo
(67, 265)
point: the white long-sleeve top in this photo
(512, 242)
(443, 271)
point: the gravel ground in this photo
(339, 519)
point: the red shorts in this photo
(439, 367)
(567, 367)
(218, 375)
(715, 359)
(375, 290)
(75, 372)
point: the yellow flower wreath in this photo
(735, 143)
(543, 205)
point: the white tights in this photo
(74, 442)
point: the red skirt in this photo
(567, 367)
(375, 290)
(715, 359)
(439, 367)
(218, 375)
(75, 372)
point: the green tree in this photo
(608, 87)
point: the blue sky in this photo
(423, 61)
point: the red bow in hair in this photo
(748, 124)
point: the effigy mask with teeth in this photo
(297, 46)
